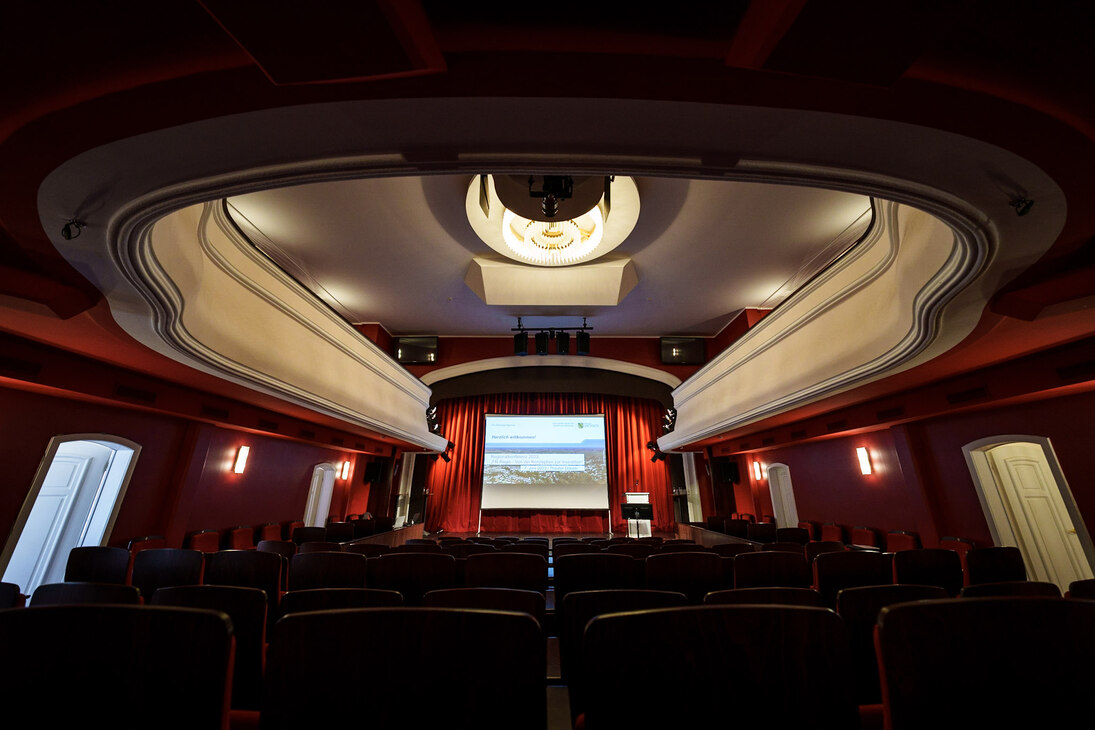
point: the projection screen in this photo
(545, 462)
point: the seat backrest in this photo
(1084, 588)
(328, 599)
(247, 609)
(413, 574)
(784, 547)
(780, 595)
(10, 596)
(58, 594)
(695, 574)
(832, 532)
(761, 531)
(766, 666)
(897, 540)
(736, 527)
(865, 536)
(929, 566)
(798, 535)
(859, 607)
(239, 538)
(558, 549)
(730, 549)
(464, 549)
(1011, 588)
(994, 565)
(308, 534)
(494, 599)
(167, 666)
(595, 571)
(319, 546)
(1027, 662)
(836, 571)
(771, 568)
(811, 529)
(580, 607)
(368, 549)
(683, 547)
(161, 567)
(269, 531)
(525, 571)
(814, 549)
(498, 677)
(340, 531)
(527, 546)
(207, 541)
(259, 569)
(284, 548)
(148, 542)
(327, 570)
(634, 549)
(98, 564)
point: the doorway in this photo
(1028, 504)
(783, 495)
(73, 502)
(320, 492)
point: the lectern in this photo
(638, 512)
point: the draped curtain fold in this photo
(630, 423)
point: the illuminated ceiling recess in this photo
(555, 228)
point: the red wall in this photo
(181, 481)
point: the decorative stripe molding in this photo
(874, 312)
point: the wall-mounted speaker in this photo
(582, 342)
(542, 343)
(520, 343)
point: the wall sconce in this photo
(346, 469)
(864, 460)
(241, 459)
(756, 470)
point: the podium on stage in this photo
(638, 512)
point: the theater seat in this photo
(115, 666)
(994, 565)
(328, 599)
(383, 668)
(160, 567)
(1025, 663)
(98, 564)
(780, 667)
(1011, 588)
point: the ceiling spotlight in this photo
(562, 343)
(445, 456)
(72, 229)
(1022, 206)
(583, 343)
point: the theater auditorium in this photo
(513, 365)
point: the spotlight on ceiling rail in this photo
(72, 229)
(1022, 206)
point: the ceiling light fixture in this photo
(552, 220)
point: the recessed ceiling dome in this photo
(550, 220)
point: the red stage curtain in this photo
(630, 423)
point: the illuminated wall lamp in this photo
(864, 460)
(756, 470)
(241, 459)
(346, 470)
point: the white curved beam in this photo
(560, 361)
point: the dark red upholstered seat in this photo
(113, 666)
(98, 564)
(994, 565)
(525, 571)
(770, 568)
(413, 574)
(1011, 588)
(929, 566)
(247, 609)
(327, 570)
(859, 607)
(382, 668)
(695, 574)
(495, 599)
(160, 567)
(897, 540)
(327, 599)
(783, 667)
(836, 571)
(780, 595)
(207, 541)
(1026, 662)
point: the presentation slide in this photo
(545, 462)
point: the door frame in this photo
(992, 503)
(775, 493)
(44, 465)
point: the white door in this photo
(59, 518)
(1040, 522)
(783, 495)
(319, 495)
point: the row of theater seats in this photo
(1018, 661)
(247, 537)
(857, 537)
